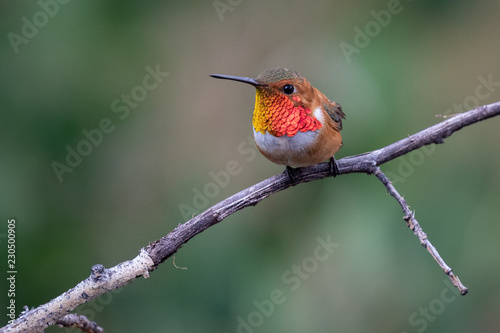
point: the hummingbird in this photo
(294, 124)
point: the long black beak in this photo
(243, 79)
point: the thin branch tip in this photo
(413, 224)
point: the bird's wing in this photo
(335, 112)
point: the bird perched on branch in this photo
(294, 124)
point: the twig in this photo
(413, 224)
(158, 251)
(81, 322)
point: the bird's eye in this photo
(288, 89)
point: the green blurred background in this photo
(422, 61)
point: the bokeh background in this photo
(428, 58)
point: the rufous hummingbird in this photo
(294, 124)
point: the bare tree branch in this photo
(104, 280)
(413, 224)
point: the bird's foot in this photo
(334, 167)
(291, 174)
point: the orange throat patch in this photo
(279, 115)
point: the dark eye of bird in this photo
(288, 89)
